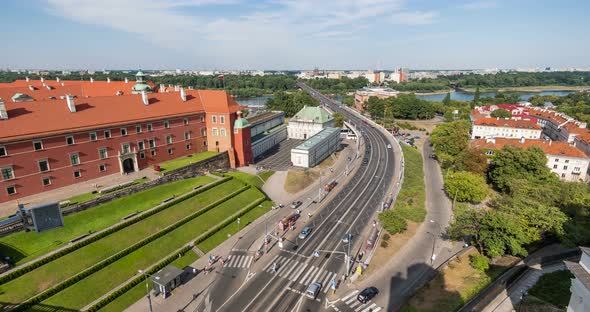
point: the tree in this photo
(501, 113)
(476, 97)
(467, 224)
(339, 120)
(473, 160)
(449, 140)
(408, 106)
(290, 103)
(447, 100)
(393, 222)
(515, 163)
(466, 186)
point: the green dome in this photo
(139, 73)
(241, 123)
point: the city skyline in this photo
(284, 34)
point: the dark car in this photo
(296, 204)
(367, 294)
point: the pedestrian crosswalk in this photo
(238, 261)
(302, 273)
(352, 303)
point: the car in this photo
(305, 232)
(347, 238)
(416, 138)
(313, 290)
(296, 204)
(389, 146)
(367, 294)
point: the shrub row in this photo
(95, 268)
(21, 271)
(102, 303)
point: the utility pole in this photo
(147, 288)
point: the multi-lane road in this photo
(351, 210)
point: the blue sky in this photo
(293, 34)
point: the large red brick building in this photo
(58, 133)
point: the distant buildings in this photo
(362, 96)
(308, 122)
(580, 298)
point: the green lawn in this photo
(219, 237)
(88, 196)
(554, 288)
(56, 271)
(266, 174)
(137, 292)
(185, 160)
(91, 288)
(247, 178)
(25, 246)
(410, 201)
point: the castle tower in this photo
(242, 141)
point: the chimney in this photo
(57, 79)
(62, 84)
(162, 87)
(126, 80)
(91, 80)
(27, 79)
(108, 80)
(3, 113)
(71, 104)
(31, 88)
(144, 98)
(176, 88)
(550, 142)
(42, 79)
(182, 94)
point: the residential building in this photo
(565, 160)
(505, 128)
(308, 122)
(580, 288)
(517, 111)
(316, 148)
(267, 130)
(558, 126)
(361, 96)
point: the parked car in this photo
(347, 238)
(367, 294)
(305, 232)
(296, 204)
(313, 290)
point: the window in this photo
(140, 145)
(142, 155)
(38, 145)
(102, 153)
(152, 142)
(204, 143)
(70, 140)
(168, 139)
(75, 159)
(189, 146)
(166, 124)
(185, 121)
(564, 167)
(138, 129)
(202, 119)
(46, 181)
(7, 173)
(203, 131)
(221, 119)
(563, 175)
(567, 161)
(153, 153)
(123, 131)
(554, 166)
(125, 148)
(214, 119)
(490, 153)
(222, 130)
(169, 151)
(149, 127)
(215, 132)
(77, 174)
(107, 134)
(43, 165)
(556, 159)
(11, 190)
(3, 151)
(93, 136)
(576, 168)
(236, 130)
(187, 135)
(102, 167)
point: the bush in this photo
(384, 244)
(479, 262)
(386, 237)
(393, 222)
(466, 186)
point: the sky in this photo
(293, 34)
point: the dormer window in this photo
(21, 97)
(70, 140)
(37, 145)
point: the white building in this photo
(566, 161)
(316, 148)
(580, 298)
(361, 96)
(309, 121)
(505, 128)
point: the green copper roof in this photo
(139, 73)
(312, 114)
(241, 123)
(141, 87)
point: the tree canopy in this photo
(291, 103)
(449, 140)
(466, 186)
(512, 163)
(501, 113)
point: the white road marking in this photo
(304, 278)
(298, 272)
(249, 261)
(372, 308)
(270, 263)
(286, 273)
(283, 265)
(240, 262)
(317, 276)
(333, 276)
(350, 295)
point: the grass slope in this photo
(25, 246)
(185, 160)
(411, 198)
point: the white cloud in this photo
(478, 5)
(414, 18)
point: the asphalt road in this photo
(351, 210)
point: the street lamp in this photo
(238, 225)
(147, 287)
(434, 238)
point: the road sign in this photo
(316, 253)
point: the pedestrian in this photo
(309, 215)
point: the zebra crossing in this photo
(351, 302)
(302, 273)
(238, 261)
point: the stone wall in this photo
(217, 162)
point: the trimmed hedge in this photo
(19, 272)
(102, 303)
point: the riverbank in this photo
(529, 89)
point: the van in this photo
(313, 290)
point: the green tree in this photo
(290, 103)
(501, 113)
(473, 160)
(512, 163)
(476, 97)
(447, 100)
(393, 222)
(467, 224)
(339, 120)
(479, 262)
(408, 106)
(466, 186)
(449, 140)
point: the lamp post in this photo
(434, 239)
(238, 225)
(147, 287)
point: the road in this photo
(351, 210)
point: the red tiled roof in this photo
(555, 148)
(80, 88)
(40, 118)
(585, 136)
(511, 123)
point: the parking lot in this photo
(278, 158)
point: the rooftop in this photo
(579, 272)
(506, 122)
(256, 119)
(312, 114)
(317, 138)
(166, 275)
(555, 148)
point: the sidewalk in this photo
(66, 192)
